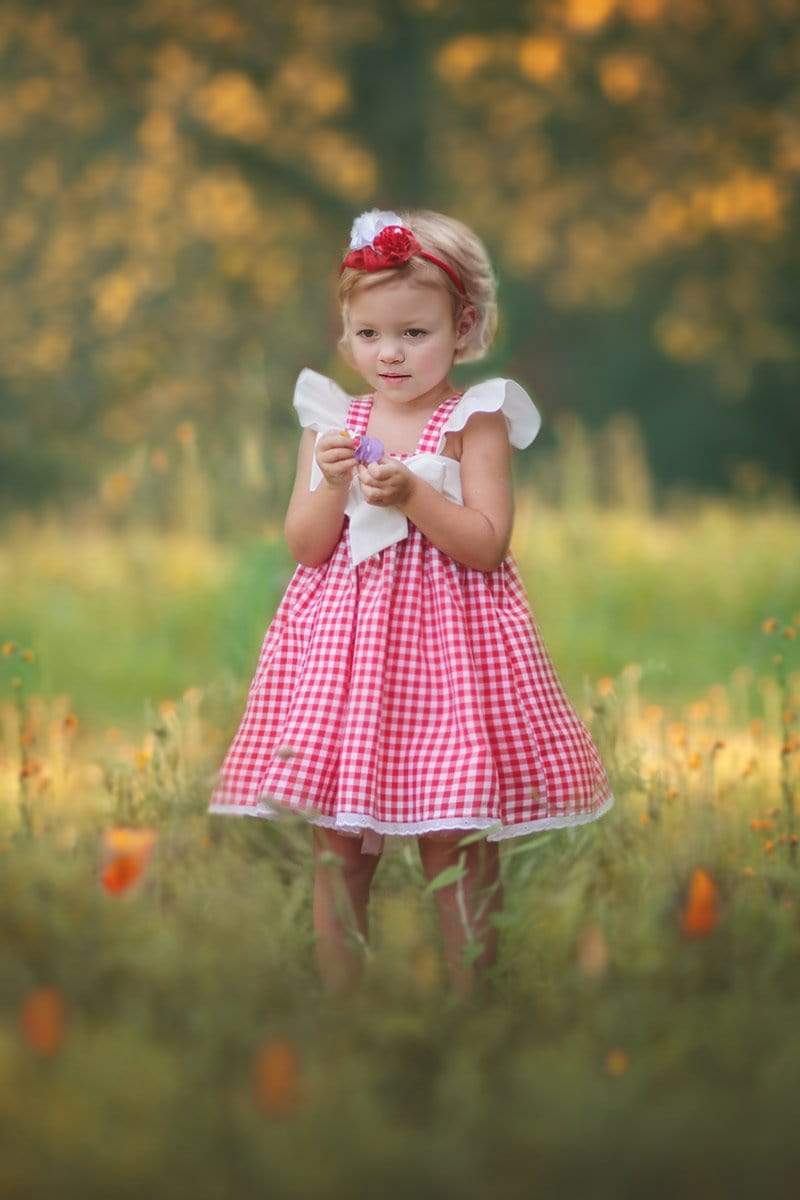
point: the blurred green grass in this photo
(611, 1054)
(675, 1067)
(124, 620)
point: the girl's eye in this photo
(416, 331)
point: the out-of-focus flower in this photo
(42, 1019)
(700, 914)
(277, 1077)
(592, 951)
(617, 1061)
(128, 852)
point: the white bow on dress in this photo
(323, 405)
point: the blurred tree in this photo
(180, 177)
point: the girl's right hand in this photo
(335, 455)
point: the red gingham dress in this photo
(408, 694)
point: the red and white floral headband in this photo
(379, 240)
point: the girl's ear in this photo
(466, 322)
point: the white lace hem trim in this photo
(372, 831)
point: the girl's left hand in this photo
(386, 482)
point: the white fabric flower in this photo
(369, 224)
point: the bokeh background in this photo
(178, 183)
(180, 177)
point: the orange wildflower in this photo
(617, 1062)
(128, 852)
(185, 433)
(700, 913)
(592, 951)
(121, 839)
(277, 1077)
(42, 1019)
(121, 872)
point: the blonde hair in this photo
(461, 249)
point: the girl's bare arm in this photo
(314, 520)
(478, 533)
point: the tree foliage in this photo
(180, 177)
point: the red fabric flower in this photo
(391, 247)
(395, 244)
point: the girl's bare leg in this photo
(466, 905)
(341, 893)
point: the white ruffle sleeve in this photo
(522, 416)
(322, 405)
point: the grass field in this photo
(163, 1026)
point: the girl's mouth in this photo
(392, 375)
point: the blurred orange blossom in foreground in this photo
(127, 853)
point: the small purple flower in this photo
(369, 450)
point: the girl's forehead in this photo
(402, 304)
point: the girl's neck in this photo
(427, 402)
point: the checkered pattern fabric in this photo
(409, 694)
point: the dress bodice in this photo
(431, 438)
(322, 405)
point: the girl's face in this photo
(402, 339)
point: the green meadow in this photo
(164, 1027)
(182, 181)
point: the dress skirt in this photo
(406, 695)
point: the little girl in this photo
(403, 688)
